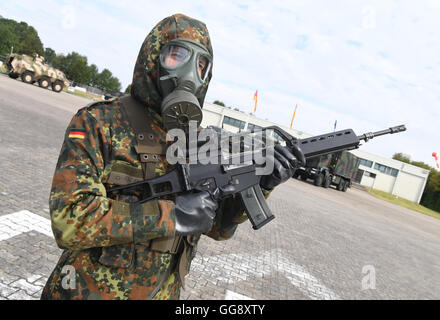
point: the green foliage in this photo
(49, 55)
(219, 103)
(21, 36)
(74, 66)
(128, 90)
(24, 39)
(431, 194)
(106, 81)
(403, 202)
(94, 75)
(401, 157)
(77, 69)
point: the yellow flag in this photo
(255, 99)
(294, 112)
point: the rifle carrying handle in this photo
(256, 207)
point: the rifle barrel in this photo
(371, 135)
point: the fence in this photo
(88, 88)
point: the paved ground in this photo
(323, 244)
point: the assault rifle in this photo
(217, 178)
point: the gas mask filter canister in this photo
(185, 65)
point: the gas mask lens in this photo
(175, 56)
(203, 67)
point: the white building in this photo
(392, 176)
(235, 121)
(389, 175)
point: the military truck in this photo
(32, 69)
(333, 169)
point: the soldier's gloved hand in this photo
(195, 213)
(284, 168)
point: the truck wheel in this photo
(318, 180)
(44, 82)
(327, 181)
(340, 185)
(57, 86)
(13, 75)
(345, 186)
(27, 77)
(303, 176)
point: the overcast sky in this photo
(367, 64)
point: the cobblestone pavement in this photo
(323, 244)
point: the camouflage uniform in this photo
(106, 240)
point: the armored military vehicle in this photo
(33, 69)
(333, 169)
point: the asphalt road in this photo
(323, 244)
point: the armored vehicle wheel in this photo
(57, 86)
(327, 181)
(13, 75)
(318, 180)
(27, 77)
(44, 82)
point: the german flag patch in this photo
(76, 135)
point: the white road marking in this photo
(234, 267)
(12, 225)
(16, 223)
(229, 268)
(231, 295)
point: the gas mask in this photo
(184, 68)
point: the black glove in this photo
(195, 213)
(283, 169)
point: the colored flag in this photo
(294, 112)
(434, 154)
(255, 99)
(77, 134)
(334, 129)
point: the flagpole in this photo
(294, 112)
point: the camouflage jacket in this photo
(106, 241)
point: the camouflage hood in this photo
(146, 71)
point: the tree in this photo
(128, 90)
(94, 75)
(21, 36)
(219, 103)
(107, 82)
(25, 39)
(401, 157)
(49, 55)
(76, 68)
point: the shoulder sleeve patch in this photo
(76, 134)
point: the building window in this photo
(387, 170)
(253, 127)
(369, 174)
(234, 122)
(366, 163)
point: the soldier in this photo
(113, 247)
